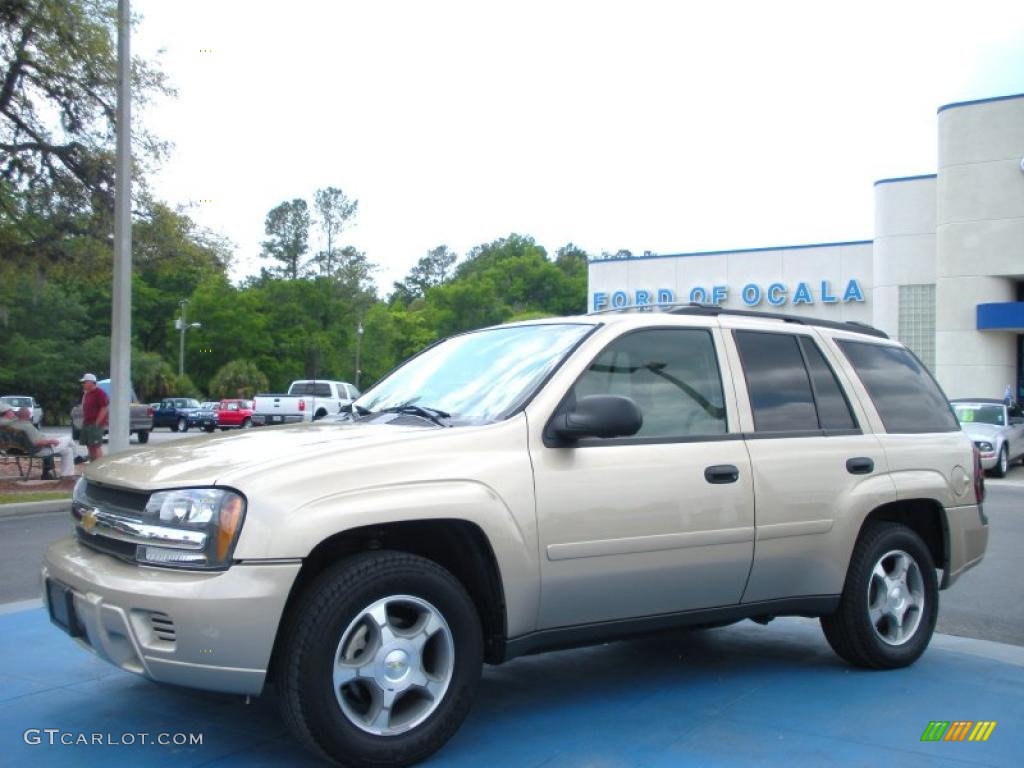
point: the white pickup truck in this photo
(307, 400)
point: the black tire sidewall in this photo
(893, 537)
(335, 733)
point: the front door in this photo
(659, 522)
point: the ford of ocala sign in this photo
(752, 294)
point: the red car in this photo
(234, 414)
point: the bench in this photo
(15, 446)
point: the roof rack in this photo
(713, 310)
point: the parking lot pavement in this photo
(735, 696)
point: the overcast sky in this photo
(661, 126)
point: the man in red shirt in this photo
(94, 416)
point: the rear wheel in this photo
(74, 433)
(143, 436)
(380, 661)
(890, 602)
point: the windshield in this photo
(477, 377)
(974, 413)
(19, 402)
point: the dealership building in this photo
(944, 272)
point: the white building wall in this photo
(904, 246)
(979, 241)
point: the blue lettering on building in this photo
(751, 294)
(853, 292)
(776, 294)
(802, 295)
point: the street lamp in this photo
(359, 345)
(180, 324)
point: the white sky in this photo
(662, 126)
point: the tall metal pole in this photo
(121, 312)
(359, 345)
(182, 325)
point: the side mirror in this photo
(599, 416)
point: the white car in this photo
(996, 428)
(25, 401)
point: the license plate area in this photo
(60, 601)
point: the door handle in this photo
(721, 473)
(861, 465)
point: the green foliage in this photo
(152, 376)
(333, 211)
(239, 378)
(287, 229)
(182, 386)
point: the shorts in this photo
(91, 434)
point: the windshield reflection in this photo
(477, 377)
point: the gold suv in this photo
(523, 487)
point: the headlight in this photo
(208, 519)
(984, 447)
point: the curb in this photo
(30, 508)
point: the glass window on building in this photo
(917, 321)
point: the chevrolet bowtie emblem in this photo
(89, 520)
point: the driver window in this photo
(672, 376)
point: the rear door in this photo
(815, 466)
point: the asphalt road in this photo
(986, 603)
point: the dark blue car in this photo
(174, 412)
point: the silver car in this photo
(996, 428)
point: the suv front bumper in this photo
(213, 631)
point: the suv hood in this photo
(221, 459)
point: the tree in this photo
(333, 212)
(239, 378)
(432, 270)
(287, 226)
(58, 85)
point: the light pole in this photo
(181, 325)
(359, 346)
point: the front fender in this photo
(514, 545)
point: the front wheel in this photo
(890, 602)
(1002, 464)
(182, 426)
(380, 661)
(246, 423)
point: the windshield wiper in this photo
(430, 414)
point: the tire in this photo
(872, 637)
(1002, 463)
(332, 620)
(321, 413)
(246, 423)
(182, 425)
(75, 433)
(143, 436)
(208, 429)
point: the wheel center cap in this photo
(396, 665)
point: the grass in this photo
(26, 496)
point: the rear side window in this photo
(833, 408)
(904, 392)
(777, 381)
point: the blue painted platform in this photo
(737, 696)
